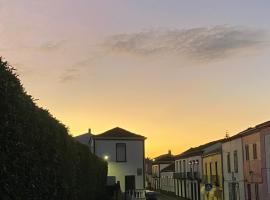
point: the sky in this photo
(181, 73)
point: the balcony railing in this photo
(135, 194)
(180, 175)
(213, 179)
(193, 175)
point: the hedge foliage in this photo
(38, 159)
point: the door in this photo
(129, 183)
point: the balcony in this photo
(155, 175)
(179, 175)
(213, 179)
(193, 175)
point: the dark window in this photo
(248, 192)
(255, 156)
(121, 152)
(257, 191)
(235, 160)
(210, 165)
(247, 152)
(180, 164)
(205, 165)
(229, 162)
(216, 168)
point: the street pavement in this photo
(167, 197)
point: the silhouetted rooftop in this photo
(170, 168)
(119, 133)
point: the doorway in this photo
(129, 183)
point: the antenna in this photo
(227, 135)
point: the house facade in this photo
(167, 183)
(264, 190)
(256, 146)
(158, 164)
(212, 174)
(232, 158)
(189, 170)
(252, 165)
(125, 153)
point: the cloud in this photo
(198, 44)
(52, 45)
(70, 75)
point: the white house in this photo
(166, 179)
(125, 153)
(188, 171)
(86, 139)
(232, 157)
(159, 163)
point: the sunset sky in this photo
(179, 72)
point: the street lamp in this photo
(106, 157)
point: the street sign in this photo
(208, 187)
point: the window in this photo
(121, 152)
(247, 152)
(233, 188)
(257, 191)
(180, 166)
(235, 160)
(255, 156)
(248, 192)
(184, 165)
(210, 165)
(229, 163)
(217, 178)
(205, 166)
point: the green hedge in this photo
(38, 159)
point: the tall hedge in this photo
(38, 159)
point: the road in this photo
(167, 197)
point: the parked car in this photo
(150, 195)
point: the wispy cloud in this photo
(201, 44)
(52, 45)
(70, 75)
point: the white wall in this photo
(231, 146)
(167, 181)
(134, 157)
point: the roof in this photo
(212, 152)
(170, 168)
(249, 131)
(197, 151)
(118, 133)
(84, 138)
(165, 158)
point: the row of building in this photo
(234, 168)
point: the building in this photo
(188, 171)
(125, 153)
(232, 159)
(167, 180)
(256, 146)
(159, 163)
(86, 139)
(148, 172)
(212, 174)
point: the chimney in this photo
(89, 131)
(170, 152)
